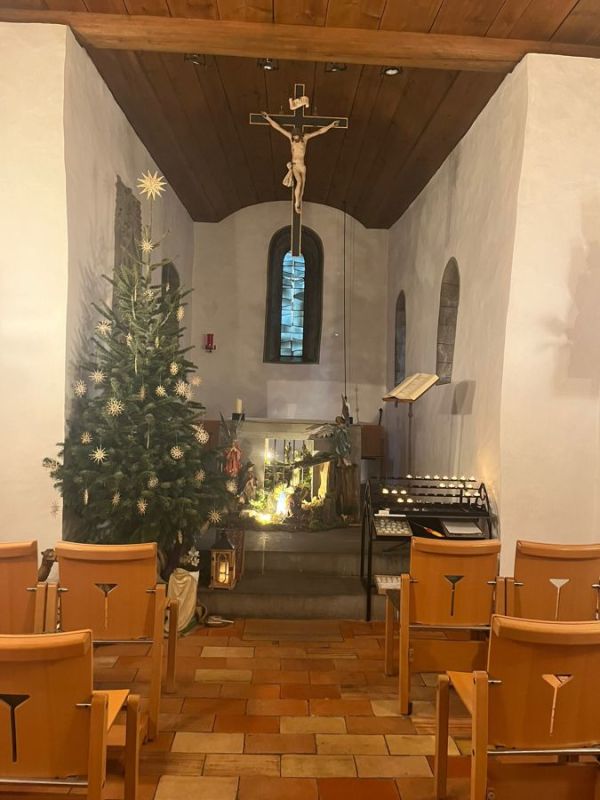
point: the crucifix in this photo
(297, 120)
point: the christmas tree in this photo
(134, 466)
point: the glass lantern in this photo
(223, 566)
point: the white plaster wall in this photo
(33, 274)
(99, 145)
(551, 386)
(230, 284)
(467, 211)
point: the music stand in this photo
(408, 391)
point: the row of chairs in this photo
(104, 595)
(521, 652)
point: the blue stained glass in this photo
(292, 306)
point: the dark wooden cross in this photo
(298, 120)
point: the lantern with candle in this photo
(223, 563)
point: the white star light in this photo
(99, 455)
(152, 482)
(142, 505)
(200, 476)
(160, 391)
(181, 388)
(103, 327)
(152, 185)
(214, 516)
(231, 486)
(115, 407)
(180, 313)
(147, 245)
(196, 381)
(201, 435)
(176, 452)
(173, 368)
(79, 388)
(116, 499)
(97, 377)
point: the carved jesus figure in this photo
(296, 167)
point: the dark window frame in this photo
(400, 338)
(312, 250)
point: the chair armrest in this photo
(464, 685)
(117, 699)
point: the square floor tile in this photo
(208, 743)
(393, 767)
(351, 744)
(414, 745)
(312, 725)
(179, 787)
(317, 766)
(238, 765)
(358, 789)
(260, 788)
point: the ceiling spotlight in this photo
(335, 66)
(269, 64)
(391, 71)
(195, 58)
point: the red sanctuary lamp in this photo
(209, 343)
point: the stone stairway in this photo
(303, 575)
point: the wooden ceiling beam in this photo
(298, 42)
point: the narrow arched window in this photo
(400, 334)
(170, 282)
(448, 316)
(294, 300)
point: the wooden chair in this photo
(538, 698)
(555, 582)
(450, 589)
(112, 589)
(22, 597)
(53, 727)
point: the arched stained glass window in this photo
(294, 300)
(447, 319)
(400, 336)
(292, 306)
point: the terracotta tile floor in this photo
(287, 710)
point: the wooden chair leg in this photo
(157, 659)
(132, 747)
(51, 613)
(39, 608)
(172, 644)
(479, 757)
(441, 737)
(404, 647)
(97, 746)
(389, 637)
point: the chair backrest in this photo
(43, 733)
(557, 580)
(108, 588)
(548, 692)
(18, 573)
(452, 583)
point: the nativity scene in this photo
(301, 439)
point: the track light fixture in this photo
(268, 64)
(390, 72)
(335, 66)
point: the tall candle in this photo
(238, 406)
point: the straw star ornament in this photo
(151, 185)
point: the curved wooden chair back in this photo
(556, 582)
(44, 733)
(108, 588)
(18, 581)
(547, 695)
(452, 583)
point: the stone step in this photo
(342, 564)
(291, 595)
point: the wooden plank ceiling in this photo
(194, 119)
